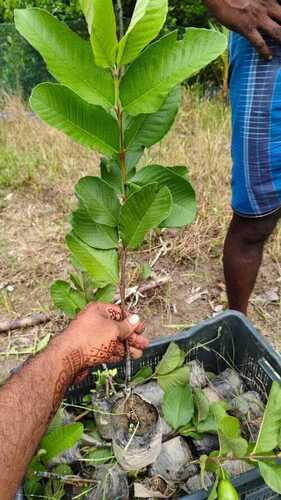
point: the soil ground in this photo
(38, 170)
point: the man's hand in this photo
(98, 335)
(31, 396)
(251, 18)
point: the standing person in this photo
(255, 96)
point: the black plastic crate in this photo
(227, 339)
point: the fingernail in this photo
(134, 319)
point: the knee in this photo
(253, 231)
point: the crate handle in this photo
(269, 370)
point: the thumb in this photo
(128, 326)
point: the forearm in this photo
(28, 402)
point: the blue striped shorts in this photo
(255, 95)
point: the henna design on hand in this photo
(77, 362)
(114, 315)
(73, 364)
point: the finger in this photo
(259, 43)
(135, 353)
(140, 328)
(110, 311)
(275, 11)
(138, 341)
(129, 326)
(272, 29)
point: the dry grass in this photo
(38, 169)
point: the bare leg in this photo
(243, 251)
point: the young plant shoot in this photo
(116, 97)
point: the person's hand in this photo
(251, 18)
(98, 335)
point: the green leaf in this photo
(180, 170)
(99, 456)
(178, 408)
(143, 211)
(110, 169)
(147, 21)
(33, 487)
(43, 343)
(202, 405)
(102, 265)
(87, 7)
(173, 358)
(70, 301)
(110, 173)
(213, 493)
(58, 420)
(269, 433)
(99, 199)
(180, 376)
(102, 29)
(95, 235)
(132, 158)
(271, 474)
(184, 201)
(148, 129)
(230, 437)
(209, 425)
(189, 431)
(145, 373)
(57, 441)
(165, 64)
(69, 58)
(54, 489)
(106, 294)
(229, 433)
(62, 469)
(86, 124)
(203, 462)
(77, 281)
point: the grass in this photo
(38, 170)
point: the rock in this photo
(103, 417)
(151, 488)
(198, 376)
(166, 429)
(194, 483)
(112, 483)
(208, 443)
(152, 392)
(137, 432)
(211, 394)
(173, 463)
(248, 405)
(228, 384)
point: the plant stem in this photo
(117, 74)
(68, 479)
(123, 252)
(220, 459)
(123, 258)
